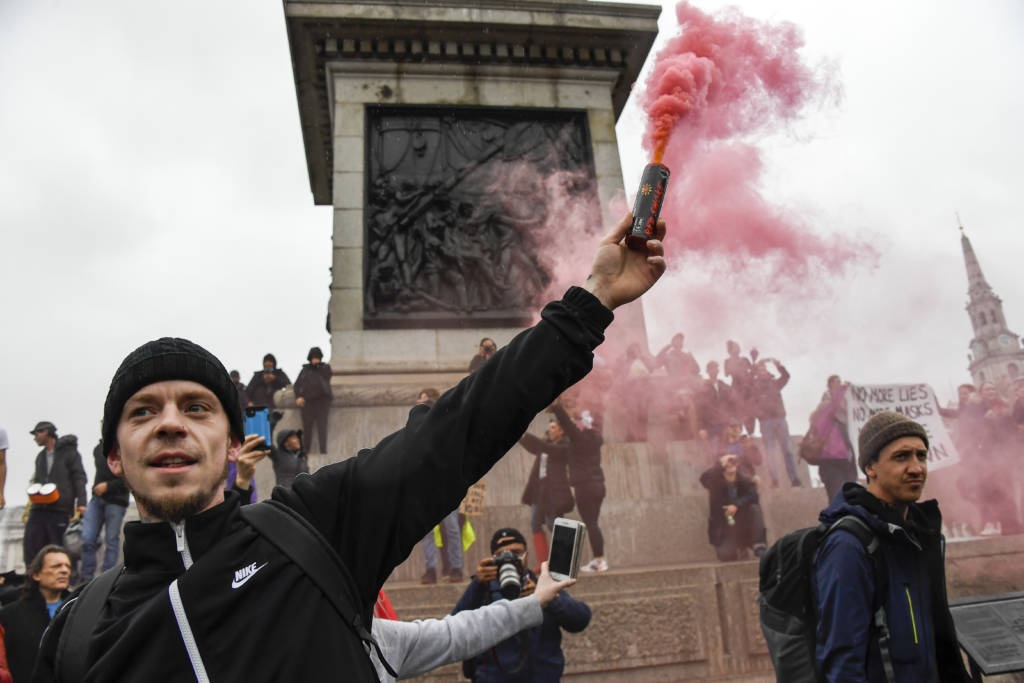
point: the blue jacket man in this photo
(538, 649)
(923, 644)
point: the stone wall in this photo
(655, 511)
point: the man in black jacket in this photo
(106, 511)
(59, 463)
(23, 622)
(243, 394)
(205, 596)
(313, 396)
(264, 384)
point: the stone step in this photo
(694, 621)
(641, 533)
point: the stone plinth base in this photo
(695, 622)
(639, 533)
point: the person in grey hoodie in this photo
(415, 647)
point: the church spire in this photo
(977, 286)
(996, 352)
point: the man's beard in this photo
(175, 508)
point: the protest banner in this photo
(916, 401)
(473, 503)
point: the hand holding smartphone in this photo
(257, 421)
(566, 546)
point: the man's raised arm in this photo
(376, 507)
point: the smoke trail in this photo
(714, 87)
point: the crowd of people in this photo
(312, 390)
(173, 423)
(707, 406)
(988, 431)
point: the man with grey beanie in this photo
(922, 644)
(205, 595)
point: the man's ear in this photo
(234, 448)
(869, 471)
(114, 462)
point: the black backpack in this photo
(288, 530)
(788, 618)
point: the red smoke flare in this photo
(718, 83)
(724, 76)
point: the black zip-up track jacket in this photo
(244, 612)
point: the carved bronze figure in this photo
(458, 199)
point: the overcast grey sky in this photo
(152, 182)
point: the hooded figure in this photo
(289, 457)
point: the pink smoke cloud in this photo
(716, 88)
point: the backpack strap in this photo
(859, 528)
(293, 535)
(71, 660)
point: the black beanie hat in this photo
(507, 532)
(882, 429)
(168, 359)
(315, 351)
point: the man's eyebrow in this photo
(190, 395)
(198, 394)
(141, 397)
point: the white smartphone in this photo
(566, 545)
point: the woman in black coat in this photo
(547, 490)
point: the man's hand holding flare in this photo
(618, 274)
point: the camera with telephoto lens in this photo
(510, 574)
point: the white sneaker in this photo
(595, 565)
(989, 530)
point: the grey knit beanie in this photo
(167, 359)
(880, 430)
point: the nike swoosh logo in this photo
(238, 583)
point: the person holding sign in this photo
(829, 420)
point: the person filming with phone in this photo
(534, 655)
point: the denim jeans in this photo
(776, 430)
(452, 543)
(100, 513)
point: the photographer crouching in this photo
(534, 655)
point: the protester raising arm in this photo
(374, 508)
(536, 446)
(568, 424)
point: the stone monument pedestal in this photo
(359, 66)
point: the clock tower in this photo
(995, 352)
